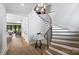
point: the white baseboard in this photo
(4, 51)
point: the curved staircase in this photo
(64, 42)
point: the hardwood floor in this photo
(19, 47)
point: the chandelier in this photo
(40, 8)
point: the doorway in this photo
(14, 28)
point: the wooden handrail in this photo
(46, 33)
(46, 37)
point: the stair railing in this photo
(48, 36)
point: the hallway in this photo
(19, 47)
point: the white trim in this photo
(25, 36)
(4, 51)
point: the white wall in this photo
(31, 25)
(14, 18)
(25, 29)
(36, 25)
(51, 11)
(3, 38)
(67, 15)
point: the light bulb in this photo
(37, 9)
(44, 6)
(22, 4)
(39, 5)
(42, 9)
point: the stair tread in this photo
(64, 41)
(67, 41)
(72, 44)
(66, 47)
(56, 51)
(67, 37)
(68, 31)
(70, 39)
(75, 34)
(57, 28)
(47, 52)
(64, 50)
(53, 52)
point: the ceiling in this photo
(16, 8)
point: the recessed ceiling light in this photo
(22, 4)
